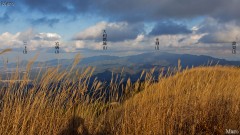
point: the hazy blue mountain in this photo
(150, 60)
(98, 59)
(133, 65)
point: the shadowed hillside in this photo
(202, 100)
(197, 101)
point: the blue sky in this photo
(187, 26)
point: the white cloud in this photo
(217, 32)
(181, 43)
(26, 35)
(80, 44)
(34, 40)
(140, 38)
(8, 40)
(117, 31)
(92, 32)
(143, 42)
(47, 36)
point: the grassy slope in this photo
(200, 100)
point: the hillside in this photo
(133, 65)
(203, 100)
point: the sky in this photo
(200, 27)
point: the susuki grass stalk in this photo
(203, 100)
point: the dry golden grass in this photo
(202, 100)
(5, 51)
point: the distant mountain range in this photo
(150, 60)
(133, 65)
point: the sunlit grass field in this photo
(202, 100)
